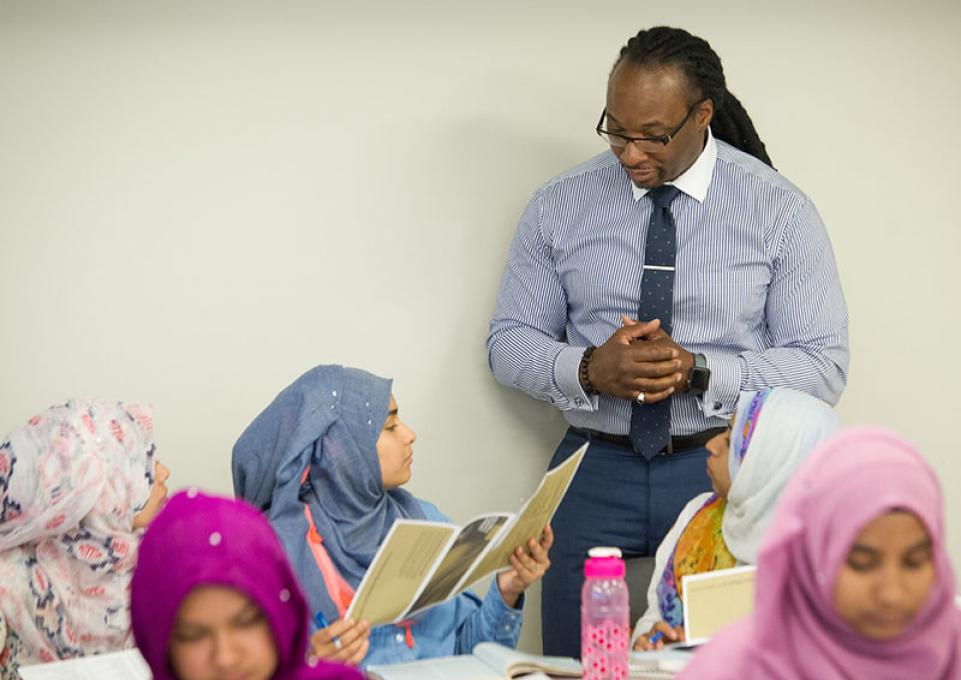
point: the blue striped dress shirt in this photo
(756, 287)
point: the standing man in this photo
(646, 288)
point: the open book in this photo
(125, 665)
(490, 661)
(421, 564)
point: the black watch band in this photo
(700, 376)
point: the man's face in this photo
(647, 101)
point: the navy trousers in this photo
(617, 498)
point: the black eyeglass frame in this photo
(663, 140)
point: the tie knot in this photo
(663, 195)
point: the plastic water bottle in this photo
(605, 609)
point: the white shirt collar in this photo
(696, 179)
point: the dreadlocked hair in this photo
(662, 45)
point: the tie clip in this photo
(659, 267)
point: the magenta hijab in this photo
(795, 631)
(206, 540)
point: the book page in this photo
(511, 663)
(464, 667)
(531, 520)
(658, 663)
(125, 665)
(472, 540)
(400, 568)
(716, 599)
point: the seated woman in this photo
(78, 482)
(853, 577)
(769, 435)
(213, 596)
(326, 460)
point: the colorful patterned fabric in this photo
(746, 421)
(726, 531)
(700, 548)
(71, 481)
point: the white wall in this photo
(200, 200)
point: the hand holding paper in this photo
(344, 640)
(527, 567)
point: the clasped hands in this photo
(640, 357)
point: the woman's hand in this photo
(527, 566)
(664, 634)
(344, 641)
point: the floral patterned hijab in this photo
(71, 481)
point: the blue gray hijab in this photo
(327, 421)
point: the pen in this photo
(653, 639)
(321, 622)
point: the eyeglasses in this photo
(655, 143)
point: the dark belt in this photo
(684, 442)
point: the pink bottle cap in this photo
(604, 563)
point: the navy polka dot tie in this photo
(651, 423)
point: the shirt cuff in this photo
(567, 378)
(498, 615)
(720, 399)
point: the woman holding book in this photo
(78, 483)
(769, 435)
(853, 576)
(326, 461)
(213, 596)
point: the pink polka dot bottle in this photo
(605, 609)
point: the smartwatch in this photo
(700, 376)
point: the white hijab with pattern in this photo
(71, 481)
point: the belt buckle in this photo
(669, 448)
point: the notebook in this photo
(716, 599)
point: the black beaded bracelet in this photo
(582, 370)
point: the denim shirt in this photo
(453, 627)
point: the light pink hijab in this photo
(71, 480)
(795, 631)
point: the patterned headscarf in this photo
(201, 540)
(745, 421)
(71, 481)
(326, 424)
(773, 431)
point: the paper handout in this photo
(125, 665)
(421, 564)
(473, 540)
(716, 599)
